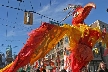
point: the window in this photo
(58, 45)
(66, 40)
(103, 26)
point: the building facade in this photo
(98, 57)
(57, 53)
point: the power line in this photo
(29, 11)
(15, 27)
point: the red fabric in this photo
(85, 44)
(36, 37)
(82, 13)
(82, 53)
(80, 59)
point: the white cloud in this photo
(44, 9)
(11, 33)
(55, 11)
(15, 33)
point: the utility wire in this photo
(28, 11)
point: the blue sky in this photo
(19, 33)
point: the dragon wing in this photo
(44, 39)
(40, 42)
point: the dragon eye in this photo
(75, 14)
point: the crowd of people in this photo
(101, 68)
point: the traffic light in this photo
(28, 18)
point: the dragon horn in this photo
(70, 6)
(67, 8)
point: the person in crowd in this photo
(84, 69)
(43, 70)
(23, 71)
(102, 67)
(63, 70)
(37, 70)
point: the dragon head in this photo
(80, 13)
